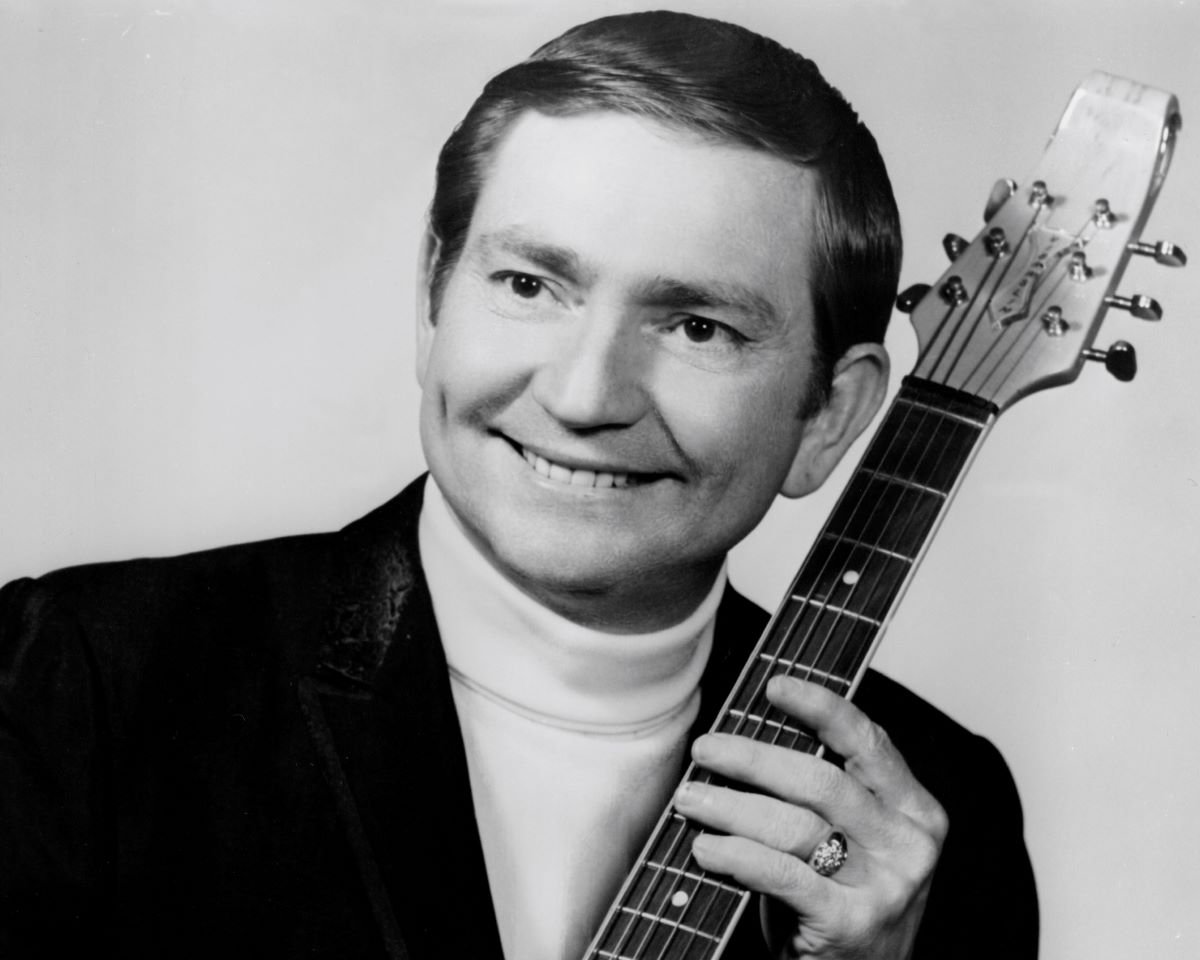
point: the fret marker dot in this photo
(850, 578)
(679, 898)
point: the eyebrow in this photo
(709, 295)
(557, 260)
(659, 291)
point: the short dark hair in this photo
(725, 83)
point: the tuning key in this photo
(907, 301)
(1141, 306)
(954, 245)
(1164, 253)
(1120, 359)
(1001, 191)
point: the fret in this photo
(834, 609)
(636, 934)
(946, 401)
(795, 668)
(809, 636)
(701, 880)
(690, 897)
(893, 554)
(926, 437)
(673, 844)
(905, 482)
(926, 454)
(856, 580)
(678, 925)
(750, 711)
(882, 513)
(939, 411)
(753, 725)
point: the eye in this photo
(524, 286)
(699, 330)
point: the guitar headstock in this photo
(1020, 305)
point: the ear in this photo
(430, 251)
(859, 386)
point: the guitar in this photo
(1017, 311)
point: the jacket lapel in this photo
(382, 718)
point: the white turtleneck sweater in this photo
(574, 737)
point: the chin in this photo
(565, 564)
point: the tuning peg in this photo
(954, 245)
(1001, 191)
(1141, 306)
(1120, 359)
(907, 301)
(1163, 252)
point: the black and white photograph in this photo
(599, 480)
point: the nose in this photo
(593, 377)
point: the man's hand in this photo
(873, 905)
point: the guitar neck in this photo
(825, 631)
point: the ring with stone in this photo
(830, 854)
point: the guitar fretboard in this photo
(825, 630)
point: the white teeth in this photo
(576, 478)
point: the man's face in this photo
(613, 383)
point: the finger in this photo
(797, 778)
(773, 823)
(870, 756)
(767, 871)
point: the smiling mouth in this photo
(581, 478)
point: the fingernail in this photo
(707, 748)
(702, 844)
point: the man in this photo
(660, 261)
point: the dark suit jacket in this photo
(253, 751)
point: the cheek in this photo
(740, 431)
(473, 365)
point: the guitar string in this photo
(740, 722)
(720, 892)
(1031, 328)
(942, 323)
(912, 524)
(798, 597)
(1010, 262)
(1077, 243)
(853, 515)
(873, 550)
(652, 882)
(968, 329)
(954, 365)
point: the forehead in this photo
(633, 199)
